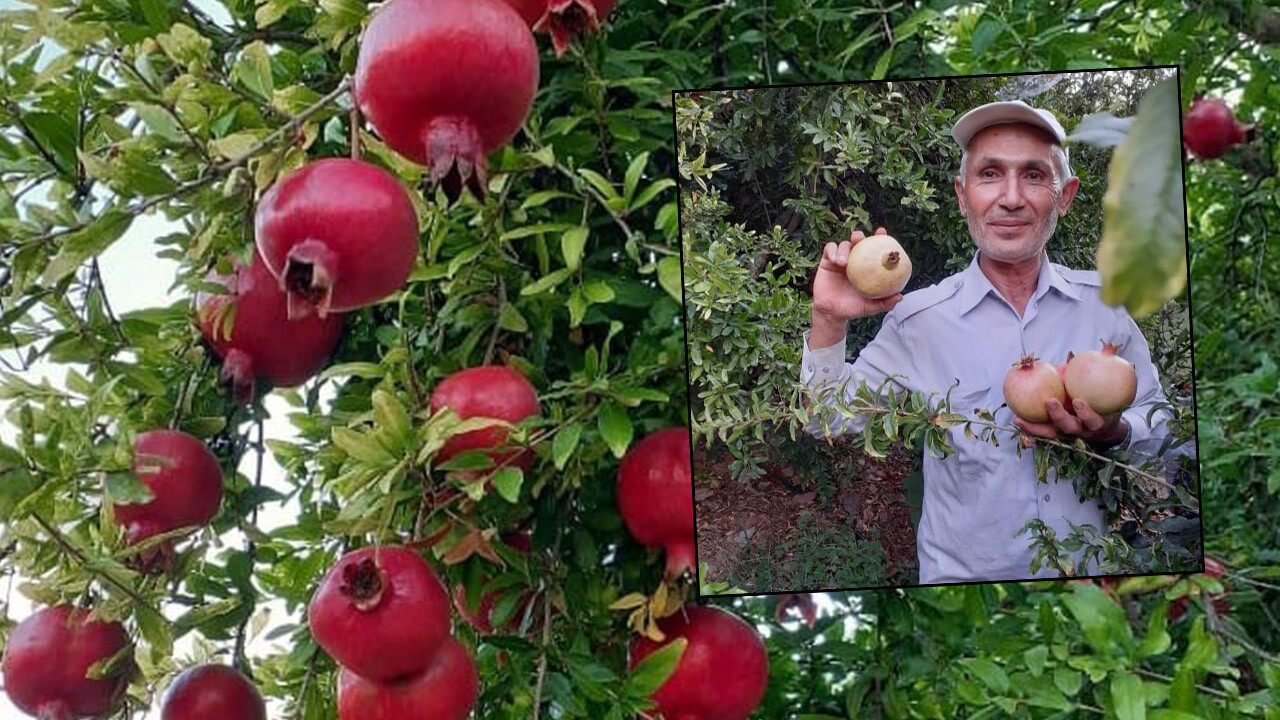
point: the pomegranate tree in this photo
(1214, 569)
(185, 481)
(337, 235)
(381, 612)
(878, 267)
(481, 618)
(1028, 385)
(488, 391)
(1210, 129)
(721, 675)
(563, 19)
(47, 659)
(445, 689)
(655, 496)
(1104, 380)
(262, 341)
(212, 692)
(446, 82)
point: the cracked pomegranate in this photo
(721, 675)
(488, 391)
(878, 267)
(337, 235)
(655, 496)
(446, 82)
(564, 20)
(1104, 380)
(1028, 385)
(381, 612)
(446, 689)
(1210, 129)
(212, 692)
(47, 659)
(263, 342)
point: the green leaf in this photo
(882, 65)
(253, 70)
(615, 427)
(237, 144)
(508, 481)
(600, 183)
(159, 121)
(565, 442)
(546, 282)
(991, 674)
(90, 241)
(360, 447)
(1067, 680)
(634, 171)
(509, 318)
(572, 243)
(649, 193)
(669, 277)
(185, 45)
(390, 414)
(1127, 697)
(1035, 659)
(1142, 254)
(271, 11)
(651, 672)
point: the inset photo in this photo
(938, 331)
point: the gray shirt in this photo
(962, 329)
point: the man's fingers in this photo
(1091, 420)
(829, 252)
(842, 253)
(1044, 430)
(886, 304)
(880, 231)
(1062, 420)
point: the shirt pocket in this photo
(974, 455)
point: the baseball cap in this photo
(1010, 111)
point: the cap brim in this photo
(998, 113)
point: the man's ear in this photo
(964, 210)
(1068, 194)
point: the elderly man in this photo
(1015, 181)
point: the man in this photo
(1015, 181)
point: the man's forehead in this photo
(993, 136)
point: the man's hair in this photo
(1062, 169)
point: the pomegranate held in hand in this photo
(1210, 129)
(488, 391)
(184, 477)
(721, 675)
(878, 267)
(1028, 385)
(337, 235)
(48, 656)
(1104, 380)
(263, 342)
(212, 692)
(655, 495)
(446, 689)
(563, 19)
(381, 612)
(446, 82)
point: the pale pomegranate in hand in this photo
(1104, 380)
(655, 496)
(446, 82)
(337, 235)
(212, 692)
(723, 672)
(445, 689)
(263, 342)
(878, 267)
(1028, 384)
(488, 391)
(47, 658)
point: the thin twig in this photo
(355, 131)
(546, 629)
(106, 303)
(62, 541)
(497, 326)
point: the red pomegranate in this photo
(381, 612)
(563, 19)
(337, 235)
(721, 675)
(212, 692)
(655, 496)
(489, 391)
(48, 656)
(263, 342)
(1210, 129)
(184, 477)
(446, 689)
(1104, 380)
(446, 82)
(1028, 385)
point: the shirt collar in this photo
(977, 286)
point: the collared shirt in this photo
(963, 330)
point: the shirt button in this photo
(1046, 498)
(958, 283)
(825, 370)
(811, 369)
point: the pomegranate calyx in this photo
(891, 260)
(1110, 348)
(455, 157)
(310, 270)
(566, 19)
(363, 583)
(237, 370)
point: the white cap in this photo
(997, 113)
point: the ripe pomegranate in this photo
(723, 672)
(212, 692)
(655, 496)
(1210, 129)
(48, 656)
(1104, 380)
(878, 267)
(445, 689)
(1221, 605)
(381, 612)
(263, 342)
(490, 391)
(337, 234)
(446, 82)
(1028, 384)
(563, 19)
(1068, 403)
(184, 477)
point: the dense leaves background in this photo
(569, 270)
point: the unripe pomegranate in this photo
(263, 342)
(446, 82)
(337, 234)
(184, 477)
(1028, 384)
(1104, 380)
(381, 612)
(488, 391)
(1210, 129)
(212, 692)
(446, 689)
(1068, 403)
(47, 659)
(563, 19)
(655, 496)
(721, 675)
(878, 267)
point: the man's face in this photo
(1011, 196)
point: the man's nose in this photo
(1011, 195)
